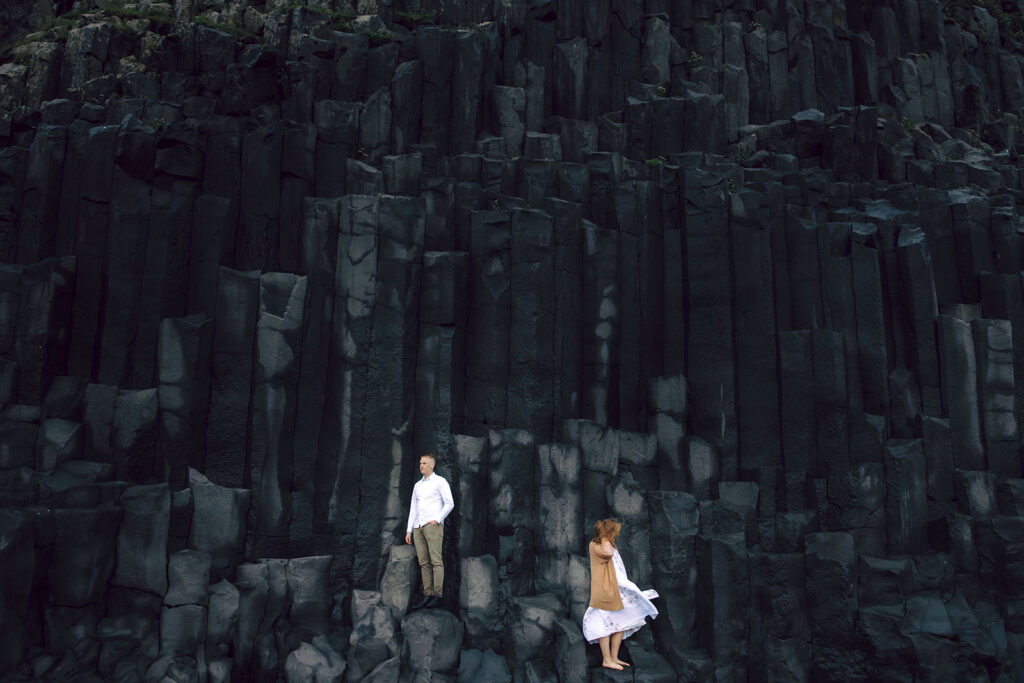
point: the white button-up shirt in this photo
(431, 501)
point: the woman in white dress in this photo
(618, 608)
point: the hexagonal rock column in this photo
(559, 506)
(478, 601)
(227, 435)
(374, 640)
(134, 433)
(130, 200)
(475, 665)
(755, 334)
(317, 259)
(221, 624)
(488, 326)
(531, 350)
(310, 600)
(915, 265)
(710, 370)
(58, 441)
(906, 503)
(142, 540)
(831, 584)
(398, 586)
(17, 566)
(601, 312)
(43, 334)
(263, 598)
(183, 619)
(317, 661)
(512, 487)
(338, 480)
(84, 554)
(627, 501)
(391, 380)
(218, 522)
(723, 594)
(275, 398)
(959, 372)
(779, 632)
(470, 490)
(257, 243)
(440, 371)
(667, 404)
(993, 342)
(674, 524)
(183, 367)
(433, 639)
(530, 629)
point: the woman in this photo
(617, 606)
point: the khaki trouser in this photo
(428, 540)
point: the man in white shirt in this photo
(431, 503)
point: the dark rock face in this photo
(745, 276)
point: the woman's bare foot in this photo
(608, 664)
(619, 661)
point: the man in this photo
(431, 503)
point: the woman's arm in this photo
(604, 549)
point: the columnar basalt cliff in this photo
(745, 275)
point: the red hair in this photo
(607, 530)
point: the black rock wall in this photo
(744, 275)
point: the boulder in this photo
(398, 585)
(188, 573)
(222, 616)
(570, 652)
(218, 522)
(476, 665)
(17, 566)
(373, 641)
(84, 554)
(530, 627)
(309, 592)
(479, 599)
(142, 539)
(317, 662)
(433, 639)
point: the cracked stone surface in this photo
(745, 276)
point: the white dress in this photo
(636, 607)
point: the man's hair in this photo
(431, 456)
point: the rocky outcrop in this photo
(746, 276)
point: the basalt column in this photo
(44, 321)
(91, 248)
(531, 346)
(388, 423)
(440, 374)
(743, 275)
(128, 234)
(185, 352)
(760, 452)
(337, 499)
(567, 264)
(317, 260)
(559, 515)
(227, 436)
(487, 363)
(601, 323)
(274, 408)
(512, 509)
(710, 370)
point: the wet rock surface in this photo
(746, 276)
